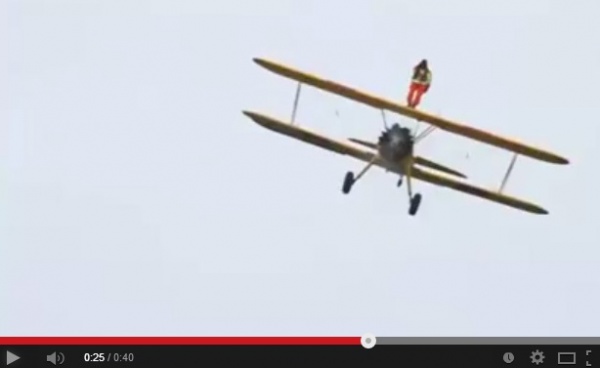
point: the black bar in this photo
(413, 356)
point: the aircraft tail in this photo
(421, 161)
(363, 143)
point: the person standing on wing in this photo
(421, 80)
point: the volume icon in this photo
(56, 358)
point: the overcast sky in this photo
(136, 199)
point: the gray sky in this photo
(137, 199)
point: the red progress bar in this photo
(180, 341)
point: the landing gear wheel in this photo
(399, 184)
(414, 204)
(348, 182)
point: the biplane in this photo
(395, 147)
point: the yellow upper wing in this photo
(381, 103)
(344, 148)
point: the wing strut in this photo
(296, 99)
(508, 172)
(408, 175)
(385, 125)
(424, 133)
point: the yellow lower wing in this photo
(381, 103)
(316, 139)
(477, 191)
(344, 148)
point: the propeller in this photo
(384, 137)
(414, 137)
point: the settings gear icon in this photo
(537, 357)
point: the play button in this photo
(11, 358)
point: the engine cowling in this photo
(396, 142)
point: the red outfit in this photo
(415, 92)
(421, 81)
